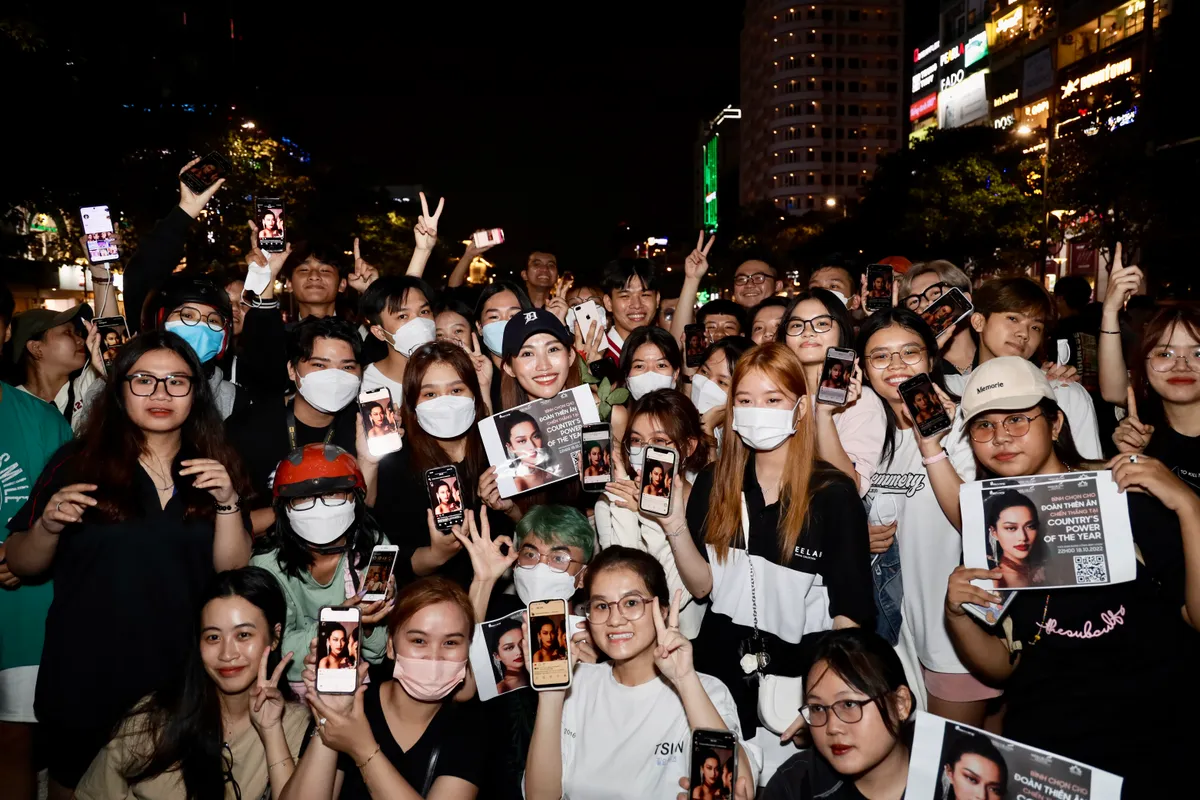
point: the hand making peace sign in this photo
(695, 266)
(673, 655)
(266, 707)
(425, 230)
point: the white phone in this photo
(658, 479)
(338, 649)
(486, 238)
(379, 572)
(379, 421)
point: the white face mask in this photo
(637, 458)
(543, 583)
(446, 417)
(329, 390)
(764, 428)
(707, 394)
(321, 524)
(413, 334)
(845, 300)
(647, 382)
(493, 335)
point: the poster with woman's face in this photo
(1048, 531)
(500, 653)
(950, 761)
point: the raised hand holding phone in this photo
(191, 200)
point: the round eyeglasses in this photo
(913, 301)
(631, 608)
(191, 316)
(1015, 425)
(331, 500)
(1162, 359)
(757, 278)
(848, 711)
(528, 558)
(144, 385)
(882, 359)
(821, 324)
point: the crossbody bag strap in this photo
(430, 771)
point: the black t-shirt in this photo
(453, 733)
(833, 547)
(1180, 453)
(1108, 681)
(509, 720)
(808, 776)
(126, 601)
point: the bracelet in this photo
(363, 765)
(675, 533)
(282, 761)
(1111, 333)
(233, 508)
(934, 459)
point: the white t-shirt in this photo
(930, 547)
(374, 379)
(82, 384)
(631, 741)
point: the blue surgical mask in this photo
(493, 336)
(203, 339)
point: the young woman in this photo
(130, 520)
(1015, 547)
(974, 768)
(592, 740)
(403, 737)
(499, 302)
(596, 465)
(59, 358)
(452, 319)
(320, 549)
(774, 538)
(712, 381)
(650, 360)
(858, 709)
(547, 640)
(446, 503)
(508, 658)
(340, 656)
(225, 722)
(896, 345)
(1112, 640)
(849, 436)
(765, 319)
(379, 421)
(663, 419)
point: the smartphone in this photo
(268, 215)
(338, 642)
(989, 614)
(658, 478)
(113, 333)
(379, 572)
(585, 314)
(445, 496)
(879, 287)
(379, 421)
(947, 310)
(596, 456)
(207, 171)
(923, 404)
(695, 344)
(713, 763)
(835, 376)
(99, 235)
(550, 648)
(488, 237)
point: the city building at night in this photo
(718, 151)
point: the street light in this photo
(248, 125)
(831, 201)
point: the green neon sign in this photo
(710, 184)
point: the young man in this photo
(754, 281)
(400, 313)
(721, 318)
(630, 298)
(920, 287)
(30, 431)
(540, 275)
(839, 278)
(314, 274)
(51, 354)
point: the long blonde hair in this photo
(724, 522)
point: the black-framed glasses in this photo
(848, 711)
(1015, 425)
(821, 324)
(191, 316)
(913, 301)
(331, 500)
(227, 768)
(882, 359)
(144, 385)
(528, 558)
(631, 608)
(757, 278)
(1162, 359)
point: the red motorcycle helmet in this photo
(316, 469)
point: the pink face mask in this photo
(427, 679)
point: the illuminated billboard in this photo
(710, 184)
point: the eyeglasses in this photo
(821, 324)
(331, 500)
(632, 608)
(757, 278)
(1015, 425)
(849, 711)
(1163, 359)
(913, 301)
(529, 558)
(882, 359)
(658, 441)
(191, 316)
(144, 385)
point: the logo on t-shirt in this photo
(668, 752)
(15, 482)
(807, 553)
(905, 483)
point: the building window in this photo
(811, 37)
(826, 133)
(808, 201)
(852, 180)
(827, 86)
(841, 109)
(853, 63)
(840, 85)
(812, 84)
(826, 157)
(852, 109)
(840, 158)
(790, 157)
(826, 180)
(810, 179)
(826, 38)
(841, 62)
(854, 86)
(812, 60)
(827, 14)
(891, 87)
(841, 133)
(893, 65)
(852, 15)
(810, 155)
(827, 62)
(852, 133)
(841, 180)
(852, 157)
(812, 13)
(791, 202)
(893, 40)
(891, 111)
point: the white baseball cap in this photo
(1006, 383)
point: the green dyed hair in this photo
(558, 525)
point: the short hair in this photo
(723, 307)
(555, 523)
(774, 301)
(7, 304)
(497, 287)
(1019, 294)
(680, 421)
(759, 256)
(619, 272)
(946, 273)
(839, 261)
(643, 564)
(390, 292)
(650, 334)
(324, 251)
(506, 421)
(429, 591)
(1074, 290)
(833, 307)
(303, 336)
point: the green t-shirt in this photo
(31, 430)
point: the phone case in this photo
(834, 390)
(263, 205)
(695, 344)
(379, 571)
(434, 479)
(218, 161)
(343, 680)
(595, 483)
(555, 674)
(380, 429)
(947, 311)
(879, 298)
(653, 503)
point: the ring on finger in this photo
(58, 506)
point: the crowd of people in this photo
(211, 482)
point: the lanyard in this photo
(291, 423)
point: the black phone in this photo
(835, 376)
(445, 496)
(924, 406)
(207, 171)
(947, 311)
(713, 763)
(695, 344)
(113, 334)
(99, 234)
(268, 216)
(658, 479)
(596, 456)
(879, 287)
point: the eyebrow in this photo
(631, 592)
(235, 627)
(451, 384)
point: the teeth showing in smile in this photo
(619, 637)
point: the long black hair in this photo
(833, 307)
(966, 743)
(184, 719)
(911, 322)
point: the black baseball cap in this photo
(526, 323)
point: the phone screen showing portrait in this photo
(835, 376)
(923, 404)
(379, 421)
(113, 334)
(99, 234)
(713, 763)
(338, 640)
(205, 172)
(879, 287)
(550, 645)
(695, 344)
(658, 478)
(268, 212)
(379, 572)
(445, 496)
(946, 311)
(596, 456)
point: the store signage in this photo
(964, 103)
(976, 48)
(952, 79)
(1106, 73)
(1037, 108)
(922, 53)
(950, 55)
(923, 78)
(1006, 98)
(1010, 22)
(1039, 73)
(1121, 120)
(924, 106)
(1004, 123)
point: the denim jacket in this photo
(889, 593)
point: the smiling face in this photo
(765, 327)
(852, 748)
(1016, 530)
(1180, 384)
(631, 306)
(524, 440)
(454, 327)
(1010, 456)
(541, 270)
(315, 282)
(233, 636)
(976, 777)
(649, 358)
(438, 631)
(1008, 333)
(617, 637)
(160, 412)
(895, 340)
(810, 346)
(540, 366)
(751, 293)
(511, 652)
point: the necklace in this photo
(169, 484)
(1042, 625)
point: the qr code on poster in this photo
(1091, 569)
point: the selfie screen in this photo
(657, 475)
(597, 457)
(445, 497)
(337, 650)
(550, 665)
